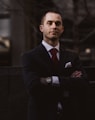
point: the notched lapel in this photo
(45, 58)
(65, 64)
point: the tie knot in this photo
(53, 51)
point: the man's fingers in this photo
(76, 74)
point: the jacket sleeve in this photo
(68, 82)
(30, 76)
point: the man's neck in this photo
(52, 42)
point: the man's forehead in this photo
(52, 16)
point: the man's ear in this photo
(41, 28)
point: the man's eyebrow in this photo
(53, 21)
(50, 21)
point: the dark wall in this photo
(91, 93)
(13, 96)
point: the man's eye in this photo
(58, 23)
(49, 23)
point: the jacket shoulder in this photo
(31, 52)
(70, 52)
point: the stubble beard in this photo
(53, 39)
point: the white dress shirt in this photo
(55, 79)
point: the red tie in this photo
(54, 58)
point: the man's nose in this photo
(54, 25)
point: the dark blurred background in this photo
(19, 20)
(19, 32)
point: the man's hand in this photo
(45, 80)
(76, 74)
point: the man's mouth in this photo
(54, 32)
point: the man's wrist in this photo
(49, 80)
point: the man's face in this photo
(51, 26)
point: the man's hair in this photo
(53, 10)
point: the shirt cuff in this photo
(55, 80)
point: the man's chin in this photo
(54, 38)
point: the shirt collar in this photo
(49, 47)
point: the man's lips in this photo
(54, 32)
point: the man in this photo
(51, 75)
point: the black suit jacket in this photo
(44, 98)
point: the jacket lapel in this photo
(62, 58)
(44, 57)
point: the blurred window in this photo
(5, 27)
(5, 57)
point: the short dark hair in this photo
(54, 10)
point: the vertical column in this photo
(17, 32)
